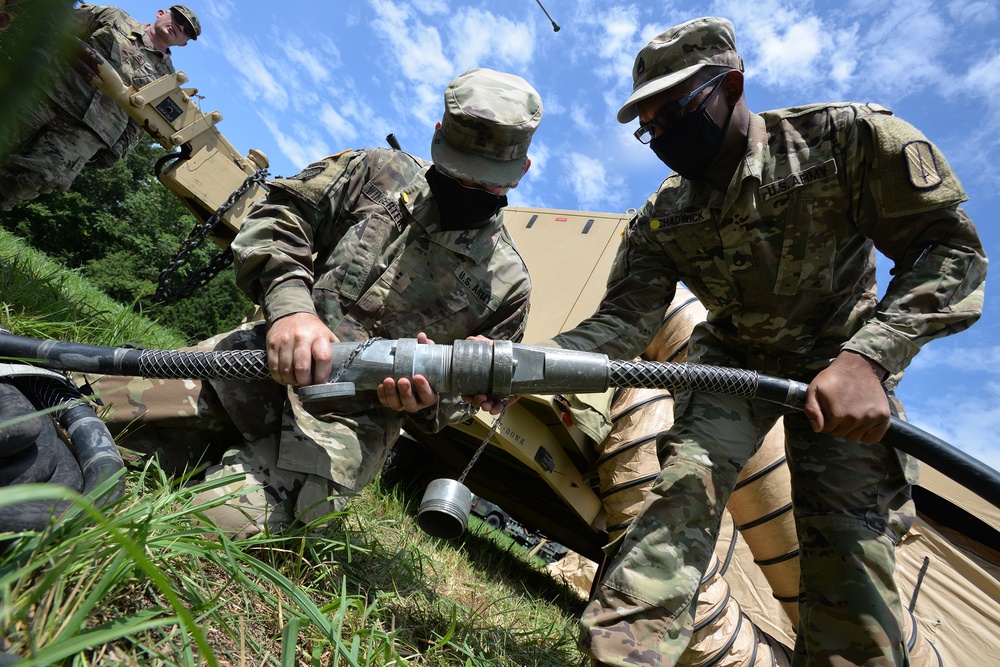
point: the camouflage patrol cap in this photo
(676, 55)
(488, 121)
(190, 17)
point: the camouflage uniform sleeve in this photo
(89, 17)
(640, 287)
(909, 206)
(274, 248)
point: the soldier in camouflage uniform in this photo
(73, 124)
(366, 243)
(771, 220)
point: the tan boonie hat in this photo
(190, 17)
(677, 54)
(488, 121)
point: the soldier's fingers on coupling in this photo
(390, 391)
(383, 396)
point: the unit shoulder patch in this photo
(910, 174)
(921, 165)
(307, 173)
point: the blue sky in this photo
(301, 80)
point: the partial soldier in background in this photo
(772, 221)
(72, 124)
(363, 244)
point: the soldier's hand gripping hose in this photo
(477, 367)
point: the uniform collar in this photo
(139, 35)
(751, 166)
(758, 153)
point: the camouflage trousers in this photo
(852, 505)
(48, 150)
(306, 465)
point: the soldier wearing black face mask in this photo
(772, 220)
(688, 142)
(463, 206)
(363, 244)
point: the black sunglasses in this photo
(671, 113)
(183, 23)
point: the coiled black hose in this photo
(31, 449)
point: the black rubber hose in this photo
(16, 437)
(947, 459)
(218, 365)
(183, 154)
(252, 364)
(976, 476)
(36, 514)
(95, 448)
(95, 461)
(36, 463)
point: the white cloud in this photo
(422, 67)
(220, 11)
(302, 146)
(593, 186)
(341, 129)
(539, 154)
(952, 390)
(969, 422)
(581, 120)
(951, 355)
(430, 7)
(256, 75)
(973, 11)
(416, 46)
(318, 58)
(477, 37)
(615, 42)
(793, 50)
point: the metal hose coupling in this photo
(467, 367)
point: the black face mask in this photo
(462, 207)
(693, 144)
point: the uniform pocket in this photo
(809, 249)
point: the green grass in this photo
(151, 581)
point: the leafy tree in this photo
(120, 227)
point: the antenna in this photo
(555, 26)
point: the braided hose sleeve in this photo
(935, 452)
(252, 365)
(707, 379)
(168, 364)
(217, 365)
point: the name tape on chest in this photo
(679, 219)
(372, 192)
(474, 285)
(821, 171)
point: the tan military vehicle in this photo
(575, 467)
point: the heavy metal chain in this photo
(194, 239)
(486, 441)
(351, 357)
